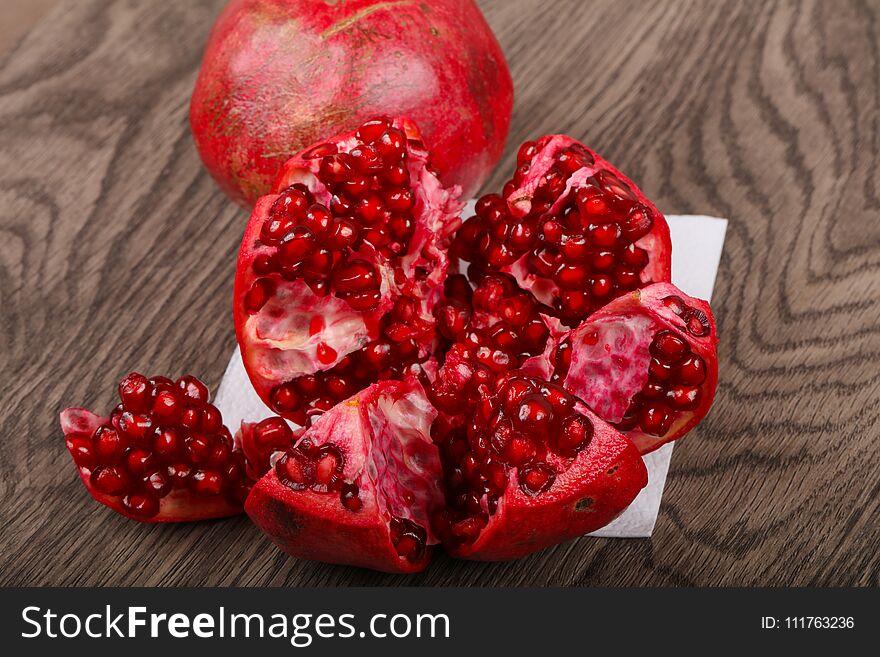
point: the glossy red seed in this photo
(109, 480)
(668, 347)
(135, 393)
(691, 371)
(206, 483)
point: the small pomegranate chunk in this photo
(360, 485)
(340, 268)
(646, 363)
(572, 230)
(531, 466)
(163, 454)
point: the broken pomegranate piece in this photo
(360, 485)
(163, 454)
(570, 228)
(532, 466)
(646, 363)
(339, 270)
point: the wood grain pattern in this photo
(117, 252)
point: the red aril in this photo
(646, 363)
(338, 271)
(360, 485)
(278, 75)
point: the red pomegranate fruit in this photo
(162, 455)
(570, 228)
(646, 363)
(278, 75)
(339, 270)
(532, 466)
(360, 485)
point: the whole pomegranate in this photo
(278, 75)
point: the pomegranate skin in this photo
(278, 75)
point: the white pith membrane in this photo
(279, 341)
(609, 362)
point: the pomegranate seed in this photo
(335, 167)
(575, 434)
(191, 418)
(408, 538)
(178, 473)
(297, 245)
(655, 419)
(691, 371)
(167, 406)
(212, 421)
(157, 484)
(675, 304)
(373, 129)
(256, 297)
(135, 392)
(109, 480)
(570, 277)
(366, 159)
(534, 414)
(683, 398)
(196, 448)
(108, 445)
(81, 451)
(659, 371)
(325, 353)
(206, 482)
(604, 235)
(526, 152)
(295, 470)
(637, 223)
(317, 219)
(349, 495)
(356, 276)
(272, 432)
(396, 175)
(697, 323)
(668, 347)
(285, 399)
(364, 300)
(139, 461)
(391, 146)
(536, 478)
(167, 443)
(141, 505)
(195, 393)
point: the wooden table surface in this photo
(117, 252)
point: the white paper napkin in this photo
(696, 249)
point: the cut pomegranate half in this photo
(531, 467)
(163, 454)
(339, 271)
(360, 485)
(646, 363)
(571, 228)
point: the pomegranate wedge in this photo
(360, 485)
